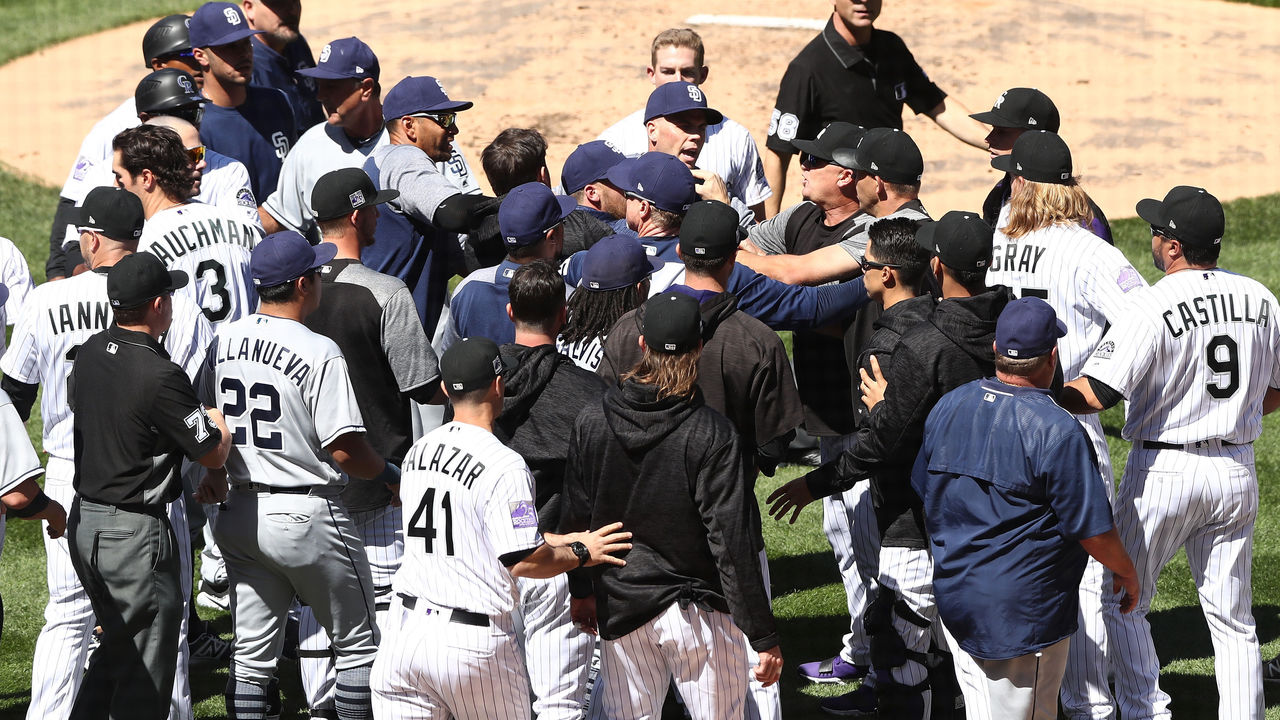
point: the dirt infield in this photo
(1151, 94)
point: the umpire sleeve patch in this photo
(523, 515)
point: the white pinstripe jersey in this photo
(1083, 279)
(1194, 355)
(57, 317)
(286, 395)
(16, 276)
(18, 460)
(468, 499)
(211, 245)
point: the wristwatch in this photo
(581, 551)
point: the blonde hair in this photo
(672, 375)
(1036, 205)
(677, 37)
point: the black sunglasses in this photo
(866, 265)
(810, 160)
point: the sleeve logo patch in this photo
(1129, 279)
(82, 167)
(1105, 350)
(523, 516)
(244, 198)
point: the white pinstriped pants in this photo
(849, 522)
(703, 651)
(1024, 687)
(557, 654)
(909, 573)
(1205, 500)
(63, 644)
(430, 667)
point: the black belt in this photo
(1157, 445)
(462, 617)
(274, 490)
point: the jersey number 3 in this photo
(426, 513)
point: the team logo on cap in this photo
(185, 84)
(457, 386)
(137, 232)
(874, 166)
(669, 346)
(324, 54)
(640, 186)
(593, 284)
(1032, 121)
(1000, 100)
(1173, 225)
(497, 365)
(233, 17)
(356, 198)
(694, 93)
(699, 251)
(439, 85)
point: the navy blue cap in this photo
(529, 211)
(616, 261)
(674, 97)
(658, 178)
(345, 58)
(588, 163)
(285, 256)
(419, 95)
(672, 323)
(1028, 328)
(218, 23)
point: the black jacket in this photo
(950, 349)
(672, 471)
(887, 330)
(542, 397)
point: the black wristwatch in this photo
(581, 551)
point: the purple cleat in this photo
(831, 670)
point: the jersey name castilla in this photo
(1213, 308)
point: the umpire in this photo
(137, 416)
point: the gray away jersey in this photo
(286, 395)
(468, 500)
(1194, 355)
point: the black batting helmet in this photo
(169, 36)
(166, 89)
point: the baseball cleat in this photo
(831, 670)
(1271, 671)
(209, 649)
(859, 703)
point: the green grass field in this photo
(809, 600)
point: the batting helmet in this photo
(164, 90)
(169, 36)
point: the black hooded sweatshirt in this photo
(933, 358)
(542, 397)
(673, 472)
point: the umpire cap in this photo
(166, 89)
(169, 36)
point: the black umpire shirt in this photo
(136, 416)
(865, 85)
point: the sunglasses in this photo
(444, 120)
(812, 161)
(196, 154)
(866, 265)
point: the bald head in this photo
(190, 140)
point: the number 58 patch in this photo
(523, 515)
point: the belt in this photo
(1156, 445)
(462, 617)
(274, 489)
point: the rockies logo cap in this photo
(1025, 108)
(529, 211)
(960, 239)
(671, 323)
(286, 256)
(113, 212)
(1188, 214)
(887, 153)
(340, 192)
(218, 23)
(472, 363)
(657, 178)
(616, 261)
(837, 135)
(588, 163)
(422, 94)
(1028, 328)
(675, 97)
(139, 277)
(1039, 156)
(710, 231)
(344, 58)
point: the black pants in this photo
(129, 565)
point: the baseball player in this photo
(729, 151)
(471, 529)
(210, 245)
(279, 50)
(57, 318)
(1197, 358)
(296, 431)
(346, 75)
(252, 124)
(1042, 250)
(583, 177)
(220, 181)
(165, 45)
(615, 280)
(15, 276)
(859, 74)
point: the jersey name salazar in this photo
(1214, 308)
(445, 460)
(269, 353)
(201, 233)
